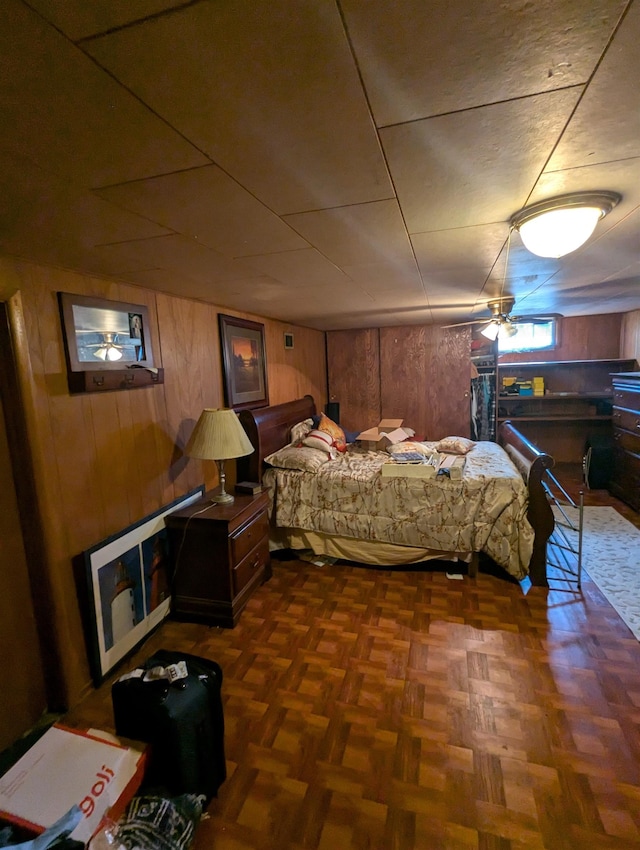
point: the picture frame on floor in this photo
(128, 578)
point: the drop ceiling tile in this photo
(592, 299)
(175, 253)
(267, 297)
(356, 234)
(303, 269)
(468, 168)
(630, 276)
(422, 59)
(302, 308)
(606, 125)
(464, 287)
(607, 252)
(297, 133)
(618, 176)
(78, 19)
(464, 247)
(72, 118)
(384, 276)
(170, 282)
(207, 205)
(39, 214)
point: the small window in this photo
(531, 336)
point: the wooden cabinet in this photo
(220, 555)
(577, 403)
(625, 479)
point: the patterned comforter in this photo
(485, 511)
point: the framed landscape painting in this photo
(244, 363)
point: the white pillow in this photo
(320, 440)
(455, 445)
(302, 458)
(300, 430)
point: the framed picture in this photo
(101, 334)
(244, 362)
(288, 340)
(128, 580)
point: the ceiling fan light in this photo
(491, 331)
(561, 225)
(507, 330)
(108, 352)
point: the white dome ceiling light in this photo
(558, 226)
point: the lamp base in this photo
(222, 499)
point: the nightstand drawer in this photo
(254, 563)
(243, 541)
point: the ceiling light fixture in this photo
(499, 329)
(558, 226)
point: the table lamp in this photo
(219, 436)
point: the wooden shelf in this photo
(543, 417)
(597, 396)
(105, 380)
(616, 361)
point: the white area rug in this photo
(611, 557)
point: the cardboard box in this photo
(452, 466)
(371, 439)
(66, 767)
(383, 435)
(386, 425)
(391, 469)
(538, 386)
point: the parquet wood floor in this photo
(402, 710)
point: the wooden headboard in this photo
(269, 428)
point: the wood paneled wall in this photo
(581, 338)
(425, 377)
(103, 462)
(630, 335)
(353, 368)
(419, 373)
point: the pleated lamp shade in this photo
(218, 435)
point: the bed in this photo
(499, 507)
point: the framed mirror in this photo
(101, 334)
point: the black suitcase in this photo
(182, 722)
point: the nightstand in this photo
(221, 554)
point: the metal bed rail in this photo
(564, 548)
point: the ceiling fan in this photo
(109, 348)
(501, 323)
